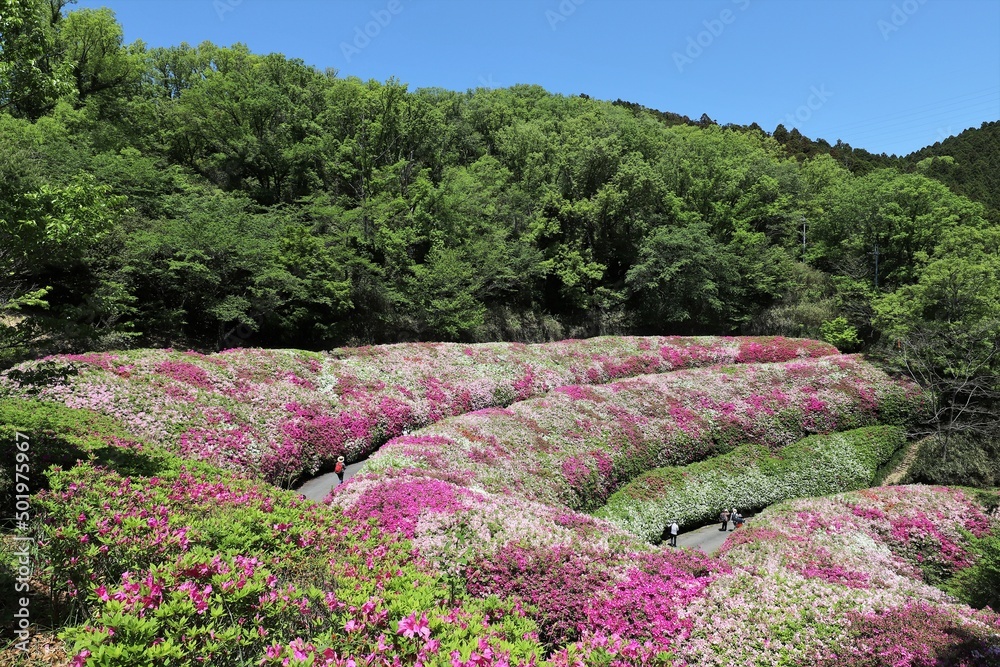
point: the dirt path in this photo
(897, 475)
(317, 487)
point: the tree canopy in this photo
(175, 196)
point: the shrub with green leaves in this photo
(961, 459)
(199, 565)
(57, 435)
(749, 478)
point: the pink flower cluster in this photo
(219, 567)
(852, 565)
(577, 444)
(639, 596)
(288, 412)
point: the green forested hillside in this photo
(968, 163)
(209, 197)
(973, 169)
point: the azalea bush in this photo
(750, 478)
(832, 581)
(639, 597)
(197, 563)
(979, 585)
(277, 414)
(37, 434)
(464, 542)
(577, 444)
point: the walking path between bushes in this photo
(903, 468)
(707, 538)
(318, 487)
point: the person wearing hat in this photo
(339, 469)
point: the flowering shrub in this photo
(59, 436)
(825, 581)
(751, 478)
(463, 544)
(559, 581)
(448, 522)
(196, 564)
(916, 634)
(277, 414)
(577, 444)
(640, 597)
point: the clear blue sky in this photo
(886, 75)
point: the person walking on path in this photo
(674, 529)
(724, 518)
(339, 469)
(737, 520)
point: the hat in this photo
(340, 458)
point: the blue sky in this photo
(886, 75)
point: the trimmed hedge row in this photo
(578, 444)
(749, 478)
(279, 414)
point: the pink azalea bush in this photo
(199, 565)
(916, 634)
(829, 581)
(638, 596)
(277, 414)
(577, 444)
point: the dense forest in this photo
(208, 197)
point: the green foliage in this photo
(840, 334)
(966, 163)
(751, 477)
(61, 436)
(206, 196)
(807, 303)
(963, 459)
(945, 333)
(198, 563)
(31, 76)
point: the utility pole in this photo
(875, 252)
(803, 219)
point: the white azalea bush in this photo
(278, 414)
(749, 478)
(842, 581)
(575, 445)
